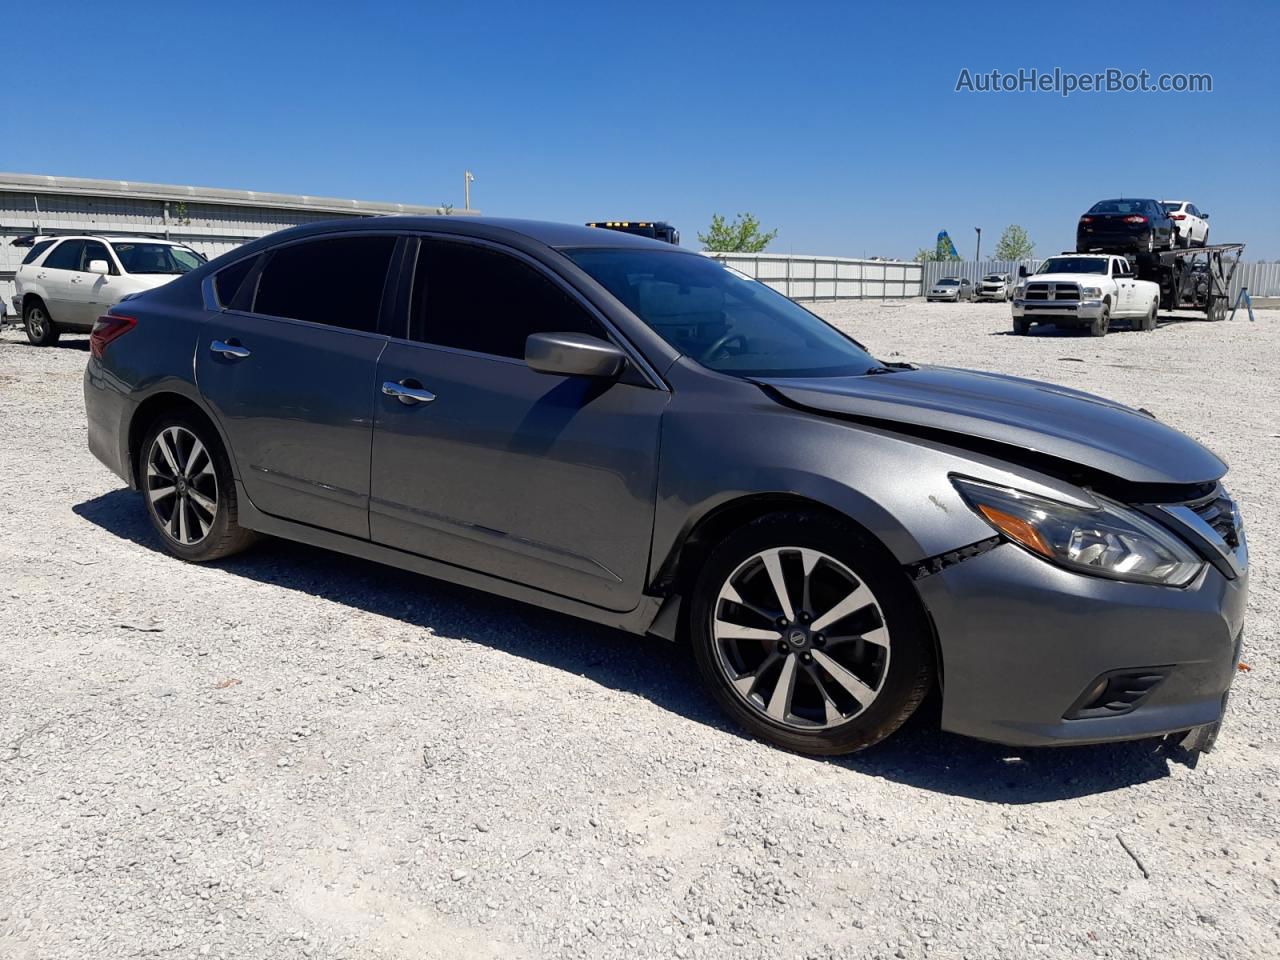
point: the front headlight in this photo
(1092, 293)
(1019, 290)
(1111, 541)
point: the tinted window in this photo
(36, 250)
(1122, 206)
(66, 255)
(336, 282)
(474, 298)
(228, 281)
(142, 257)
(722, 319)
(93, 250)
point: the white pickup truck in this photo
(1086, 290)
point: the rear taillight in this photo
(1086, 219)
(1135, 219)
(107, 328)
(1177, 216)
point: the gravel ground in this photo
(297, 754)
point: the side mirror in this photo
(573, 355)
(99, 266)
(1204, 216)
(1022, 270)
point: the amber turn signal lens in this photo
(1016, 529)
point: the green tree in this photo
(741, 236)
(924, 254)
(1014, 244)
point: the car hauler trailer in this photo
(656, 230)
(1198, 278)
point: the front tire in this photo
(1101, 323)
(189, 491)
(1021, 327)
(808, 634)
(41, 330)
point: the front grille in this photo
(1219, 512)
(1053, 291)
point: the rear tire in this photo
(1148, 323)
(842, 690)
(41, 330)
(189, 491)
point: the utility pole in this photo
(466, 188)
(978, 253)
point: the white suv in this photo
(66, 283)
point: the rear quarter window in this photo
(228, 281)
(34, 253)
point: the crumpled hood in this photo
(1057, 421)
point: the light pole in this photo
(978, 253)
(467, 178)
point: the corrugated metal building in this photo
(208, 219)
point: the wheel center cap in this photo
(182, 485)
(798, 637)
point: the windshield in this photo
(995, 278)
(156, 257)
(1074, 265)
(720, 318)
(947, 282)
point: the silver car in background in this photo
(950, 288)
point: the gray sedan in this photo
(951, 288)
(617, 429)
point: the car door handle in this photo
(231, 350)
(407, 392)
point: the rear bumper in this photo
(108, 412)
(1058, 311)
(1114, 240)
(1024, 642)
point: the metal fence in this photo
(1262, 279)
(829, 278)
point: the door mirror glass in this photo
(1022, 270)
(573, 355)
(99, 267)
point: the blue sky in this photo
(837, 123)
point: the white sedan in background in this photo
(1191, 226)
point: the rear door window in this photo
(338, 282)
(66, 255)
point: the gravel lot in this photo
(296, 754)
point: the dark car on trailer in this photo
(1126, 226)
(612, 427)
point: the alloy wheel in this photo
(35, 323)
(181, 486)
(800, 638)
